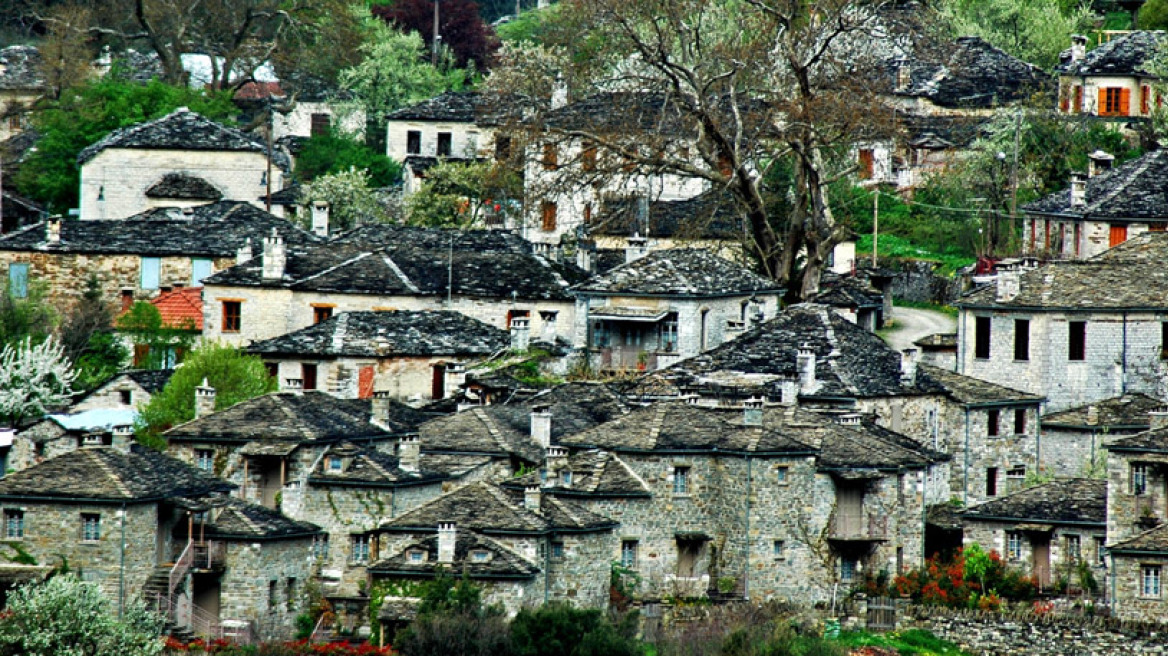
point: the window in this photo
(1020, 421)
(151, 272)
(273, 369)
(320, 546)
(413, 142)
(359, 551)
(1014, 546)
(781, 474)
(272, 595)
(981, 338)
(1074, 548)
(991, 483)
(18, 280)
(232, 316)
(867, 163)
(1114, 101)
(1021, 339)
(1100, 552)
(1077, 341)
(290, 593)
(502, 148)
(320, 125)
(308, 376)
(13, 524)
(1164, 340)
(334, 463)
(681, 480)
(548, 211)
(628, 553)
(1150, 581)
(126, 397)
(993, 421)
(779, 549)
(588, 157)
(551, 157)
(205, 459)
(90, 527)
(557, 550)
(416, 556)
(1017, 472)
(1139, 479)
(848, 567)
(566, 477)
(669, 333)
(321, 313)
(445, 144)
(200, 268)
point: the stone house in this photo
(491, 276)
(57, 434)
(136, 258)
(1053, 530)
(1074, 332)
(129, 389)
(453, 125)
(1099, 210)
(21, 85)
(710, 220)
(411, 355)
(856, 297)
(939, 350)
(760, 503)
(181, 159)
(666, 305)
(1112, 81)
(541, 547)
(1073, 440)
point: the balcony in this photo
(204, 556)
(859, 527)
(627, 359)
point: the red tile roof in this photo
(259, 91)
(181, 308)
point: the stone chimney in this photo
(805, 362)
(123, 437)
(1098, 162)
(244, 253)
(903, 75)
(533, 499)
(788, 391)
(1008, 284)
(557, 460)
(275, 256)
(752, 411)
(586, 256)
(559, 91)
(1078, 191)
(379, 409)
(53, 230)
(637, 248)
(1078, 47)
(520, 333)
(541, 426)
(1159, 418)
(320, 218)
(409, 453)
(1092, 415)
(447, 536)
(204, 400)
(908, 365)
(455, 377)
(293, 385)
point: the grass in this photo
(896, 246)
(923, 305)
(914, 642)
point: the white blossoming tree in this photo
(33, 378)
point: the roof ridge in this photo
(492, 429)
(400, 274)
(335, 267)
(517, 510)
(629, 470)
(376, 465)
(340, 328)
(109, 471)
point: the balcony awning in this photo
(618, 313)
(269, 448)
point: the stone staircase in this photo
(156, 593)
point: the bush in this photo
(955, 584)
(336, 152)
(561, 630)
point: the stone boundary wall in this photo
(915, 281)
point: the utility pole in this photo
(434, 49)
(875, 223)
(1014, 175)
(268, 177)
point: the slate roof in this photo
(505, 428)
(1128, 276)
(490, 509)
(286, 417)
(850, 361)
(1132, 191)
(1125, 411)
(181, 308)
(106, 474)
(684, 272)
(595, 473)
(214, 230)
(369, 468)
(712, 215)
(181, 129)
(1067, 501)
(848, 292)
(974, 392)
(231, 518)
(151, 380)
(1149, 441)
(399, 260)
(937, 342)
(20, 68)
(452, 106)
(503, 563)
(941, 132)
(974, 75)
(1123, 55)
(389, 334)
(1154, 540)
(184, 185)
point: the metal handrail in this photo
(181, 566)
(317, 629)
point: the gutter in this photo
(1029, 520)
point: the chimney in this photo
(1078, 47)
(805, 362)
(1092, 415)
(1098, 162)
(379, 409)
(1009, 284)
(903, 75)
(293, 385)
(275, 257)
(533, 499)
(409, 453)
(788, 391)
(541, 425)
(1159, 418)
(204, 400)
(752, 411)
(908, 365)
(447, 535)
(455, 377)
(520, 333)
(53, 228)
(557, 460)
(320, 218)
(1078, 191)
(243, 253)
(123, 438)
(636, 249)
(559, 92)
(586, 256)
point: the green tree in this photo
(351, 199)
(1154, 15)
(86, 113)
(1035, 31)
(336, 152)
(452, 621)
(29, 316)
(157, 344)
(463, 194)
(65, 616)
(34, 378)
(86, 335)
(561, 630)
(235, 376)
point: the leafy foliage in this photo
(452, 621)
(336, 152)
(235, 376)
(561, 630)
(33, 378)
(958, 583)
(457, 194)
(86, 335)
(1154, 15)
(459, 25)
(142, 324)
(65, 616)
(351, 200)
(86, 113)
(23, 318)
(1035, 31)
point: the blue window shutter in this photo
(18, 280)
(151, 272)
(200, 268)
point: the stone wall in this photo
(1060, 563)
(915, 281)
(404, 377)
(264, 583)
(466, 139)
(1128, 513)
(298, 121)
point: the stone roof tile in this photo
(184, 186)
(974, 74)
(231, 518)
(1076, 500)
(1154, 540)
(181, 129)
(1124, 55)
(369, 467)
(20, 68)
(390, 334)
(974, 391)
(1132, 191)
(595, 473)
(501, 562)
(1128, 410)
(678, 272)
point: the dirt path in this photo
(911, 324)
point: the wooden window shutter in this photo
(867, 163)
(365, 383)
(1117, 235)
(1125, 102)
(549, 216)
(1145, 97)
(1078, 99)
(1103, 110)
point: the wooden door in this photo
(849, 510)
(438, 385)
(1040, 548)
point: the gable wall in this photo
(460, 136)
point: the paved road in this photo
(912, 324)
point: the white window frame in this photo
(1150, 581)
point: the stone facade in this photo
(263, 583)
(298, 121)
(1049, 551)
(467, 140)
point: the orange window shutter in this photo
(1104, 110)
(365, 383)
(1125, 102)
(1078, 99)
(1145, 93)
(1118, 235)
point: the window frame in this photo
(1073, 546)
(90, 527)
(1151, 574)
(205, 456)
(14, 519)
(413, 142)
(982, 337)
(1076, 341)
(320, 546)
(444, 144)
(1022, 340)
(359, 549)
(1014, 545)
(1138, 479)
(681, 480)
(149, 272)
(629, 553)
(18, 283)
(779, 549)
(321, 313)
(232, 322)
(993, 422)
(1020, 421)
